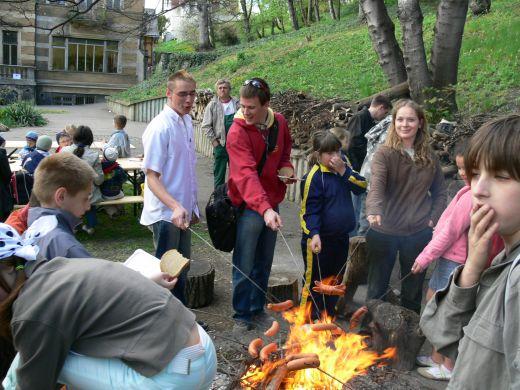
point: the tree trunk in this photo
(419, 77)
(303, 12)
(309, 10)
(381, 30)
(200, 283)
(396, 92)
(479, 7)
(292, 14)
(331, 9)
(203, 8)
(282, 287)
(339, 10)
(245, 16)
(444, 63)
(361, 15)
(317, 10)
(280, 19)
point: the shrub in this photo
(21, 114)
(228, 36)
(7, 96)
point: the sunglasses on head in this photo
(256, 83)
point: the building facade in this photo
(68, 54)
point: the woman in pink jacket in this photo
(448, 246)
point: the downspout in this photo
(35, 49)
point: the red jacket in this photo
(245, 146)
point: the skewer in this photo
(329, 375)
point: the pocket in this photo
(486, 333)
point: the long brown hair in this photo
(421, 145)
(7, 351)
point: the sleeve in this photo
(438, 193)
(378, 180)
(77, 251)
(447, 313)
(155, 147)
(99, 172)
(43, 350)
(452, 229)
(310, 211)
(112, 142)
(355, 149)
(243, 170)
(207, 122)
(512, 328)
(357, 183)
(285, 161)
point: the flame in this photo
(343, 355)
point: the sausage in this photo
(321, 327)
(303, 363)
(267, 350)
(273, 330)
(282, 306)
(328, 289)
(357, 317)
(296, 356)
(254, 346)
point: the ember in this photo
(340, 354)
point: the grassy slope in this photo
(339, 60)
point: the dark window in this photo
(10, 47)
(114, 4)
(85, 55)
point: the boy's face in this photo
(65, 141)
(31, 143)
(501, 192)
(254, 112)
(77, 204)
(459, 160)
(182, 97)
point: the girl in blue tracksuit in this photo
(326, 217)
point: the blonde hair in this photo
(183, 75)
(70, 130)
(421, 145)
(341, 133)
(61, 170)
(223, 81)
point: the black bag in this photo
(21, 187)
(221, 215)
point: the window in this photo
(84, 55)
(114, 4)
(10, 47)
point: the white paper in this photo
(144, 263)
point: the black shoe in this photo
(203, 325)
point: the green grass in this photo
(339, 60)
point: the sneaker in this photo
(437, 373)
(425, 361)
(262, 320)
(89, 231)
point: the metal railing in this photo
(16, 74)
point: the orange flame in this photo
(344, 355)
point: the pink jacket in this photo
(450, 237)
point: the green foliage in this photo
(21, 114)
(228, 36)
(172, 62)
(162, 24)
(7, 96)
(175, 46)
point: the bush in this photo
(21, 114)
(228, 36)
(7, 96)
(174, 46)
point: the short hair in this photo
(341, 133)
(120, 121)
(183, 75)
(62, 134)
(71, 129)
(61, 170)
(495, 145)
(379, 100)
(256, 87)
(460, 147)
(223, 81)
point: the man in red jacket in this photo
(260, 190)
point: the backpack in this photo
(21, 187)
(221, 215)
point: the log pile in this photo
(202, 99)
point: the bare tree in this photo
(203, 17)
(292, 14)
(246, 15)
(332, 12)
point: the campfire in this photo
(319, 356)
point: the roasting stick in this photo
(329, 375)
(321, 280)
(390, 286)
(234, 266)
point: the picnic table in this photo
(15, 145)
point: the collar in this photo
(268, 123)
(324, 168)
(170, 112)
(64, 217)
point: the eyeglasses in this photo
(257, 84)
(184, 95)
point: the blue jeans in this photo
(84, 372)
(253, 255)
(381, 254)
(167, 236)
(91, 217)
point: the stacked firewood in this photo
(202, 99)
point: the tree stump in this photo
(283, 287)
(384, 378)
(199, 287)
(395, 326)
(356, 272)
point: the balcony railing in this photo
(17, 74)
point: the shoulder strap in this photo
(271, 145)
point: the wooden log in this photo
(395, 326)
(278, 378)
(379, 378)
(199, 287)
(356, 273)
(283, 287)
(396, 92)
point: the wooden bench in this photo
(133, 199)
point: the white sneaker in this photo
(89, 231)
(438, 373)
(425, 361)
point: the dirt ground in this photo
(218, 315)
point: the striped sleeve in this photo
(310, 211)
(358, 184)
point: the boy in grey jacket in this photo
(476, 319)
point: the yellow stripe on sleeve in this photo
(303, 208)
(356, 181)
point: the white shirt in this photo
(169, 149)
(229, 107)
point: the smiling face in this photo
(254, 112)
(407, 123)
(181, 96)
(502, 193)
